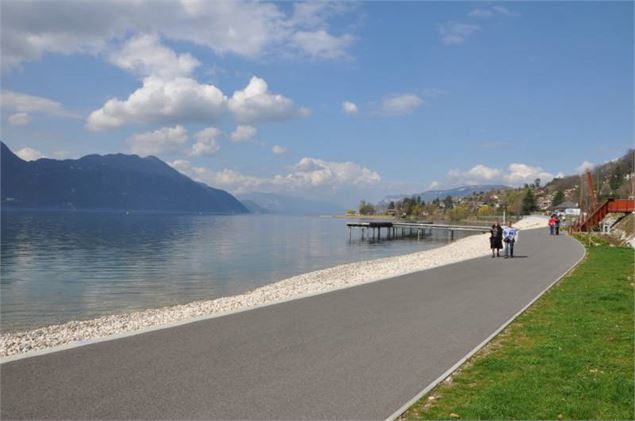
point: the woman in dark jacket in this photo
(496, 239)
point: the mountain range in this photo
(132, 183)
(461, 191)
(283, 204)
(106, 182)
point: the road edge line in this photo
(396, 414)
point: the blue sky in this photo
(251, 96)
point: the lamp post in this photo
(504, 205)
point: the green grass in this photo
(570, 356)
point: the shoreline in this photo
(300, 286)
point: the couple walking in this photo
(499, 235)
(554, 225)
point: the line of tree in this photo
(366, 208)
(557, 198)
(610, 180)
(529, 201)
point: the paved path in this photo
(358, 353)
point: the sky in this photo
(336, 101)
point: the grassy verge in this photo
(570, 356)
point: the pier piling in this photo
(402, 229)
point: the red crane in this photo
(594, 201)
(597, 213)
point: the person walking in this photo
(496, 239)
(510, 238)
(552, 224)
(557, 225)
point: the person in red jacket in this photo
(552, 224)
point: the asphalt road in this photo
(358, 353)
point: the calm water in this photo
(60, 266)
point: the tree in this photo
(616, 179)
(557, 198)
(485, 210)
(458, 213)
(350, 212)
(508, 200)
(366, 208)
(529, 202)
(448, 202)
(537, 183)
(391, 205)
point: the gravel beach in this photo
(295, 287)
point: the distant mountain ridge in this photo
(107, 182)
(620, 167)
(254, 207)
(291, 205)
(461, 191)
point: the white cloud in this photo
(169, 95)
(504, 11)
(317, 172)
(31, 29)
(476, 175)
(23, 103)
(481, 13)
(310, 12)
(489, 12)
(401, 104)
(315, 14)
(453, 33)
(144, 55)
(183, 99)
(206, 142)
(251, 29)
(278, 150)
(585, 165)
(484, 172)
(516, 174)
(164, 140)
(433, 185)
(243, 133)
(19, 119)
(29, 154)
(522, 173)
(160, 101)
(228, 179)
(321, 44)
(256, 104)
(349, 107)
(307, 174)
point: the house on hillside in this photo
(544, 202)
(564, 206)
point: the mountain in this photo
(610, 179)
(277, 203)
(106, 182)
(462, 191)
(254, 207)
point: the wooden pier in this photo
(372, 229)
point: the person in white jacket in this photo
(510, 238)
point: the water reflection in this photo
(60, 266)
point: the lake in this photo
(62, 266)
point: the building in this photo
(562, 207)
